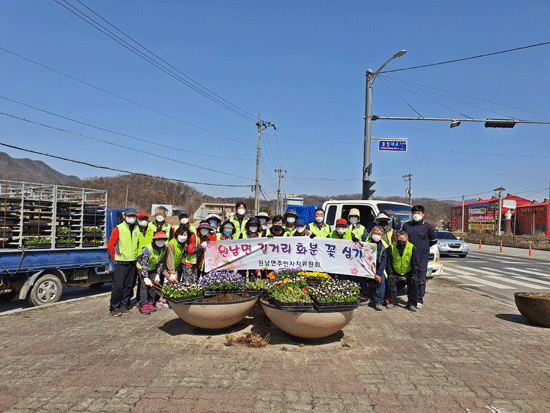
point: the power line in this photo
(466, 58)
(121, 146)
(464, 96)
(209, 95)
(399, 96)
(123, 98)
(123, 134)
(118, 170)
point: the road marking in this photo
(521, 277)
(487, 283)
(509, 280)
(531, 271)
(470, 285)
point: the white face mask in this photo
(300, 229)
(160, 243)
(253, 228)
(354, 220)
(184, 220)
(213, 223)
(340, 230)
(417, 217)
(160, 218)
(131, 220)
(376, 238)
(143, 223)
(241, 211)
(204, 231)
(182, 238)
(319, 219)
(291, 220)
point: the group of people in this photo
(148, 252)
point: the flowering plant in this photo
(288, 294)
(92, 229)
(335, 292)
(293, 281)
(314, 275)
(257, 285)
(182, 289)
(222, 280)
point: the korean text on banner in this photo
(318, 254)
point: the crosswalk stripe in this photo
(509, 280)
(521, 277)
(531, 271)
(486, 282)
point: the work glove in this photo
(148, 282)
(312, 235)
(157, 279)
(354, 238)
(173, 278)
(204, 244)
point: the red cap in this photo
(342, 221)
(143, 214)
(160, 235)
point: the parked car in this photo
(448, 243)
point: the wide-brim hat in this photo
(263, 215)
(204, 224)
(214, 216)
(291, 212)
(382, 215)
(354, 212)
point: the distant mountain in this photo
(27, 170)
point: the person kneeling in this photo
(151, 263)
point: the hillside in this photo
(28, 170)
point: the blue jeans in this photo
(376, 290)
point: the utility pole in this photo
(409, 190)
(462, 214)
(126, 203)
(261, 125)
(548, 213)
(279, 188)
(500, 190)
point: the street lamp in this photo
(367, 183)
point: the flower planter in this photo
(292, 306)
(535, 307)
(210, 293)
(307, 324)
(331, 307)
(184, 300)
(213, 316)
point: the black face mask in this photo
(277, 228)
(401, 244)
(383, 223)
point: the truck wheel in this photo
(47, 289)
(96, 286)
(7, 297)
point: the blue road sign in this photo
(392, 145)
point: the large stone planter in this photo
(213, 315)
(308, 324)
(534, 309)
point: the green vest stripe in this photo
(126, 248)
(402, 264)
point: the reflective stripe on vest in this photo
(126, 248)
(402, 264)
(323, 232)
(155, 258)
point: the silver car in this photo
(447, 243)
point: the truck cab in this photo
(369, 209)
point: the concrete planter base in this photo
(308, 324)
(534, 309)
(213, 316)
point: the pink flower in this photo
(354, 271)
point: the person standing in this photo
(290, 218)
(300, 230)
(358, 231)
(123, 249)
(215, 222)
(342, 231)
(277, 229)
(252, 229)
(239, 219)
(383, 220)
(160, 224)
(184, 222)
(176, 249)
(227, 231)
(405, 262)
(263, 219)
(318, 228)
(151, 264)
(375, 289)
(204, 236)
(422, 235)
(145, 238)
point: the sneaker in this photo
(419, 305)
(411, 307)
(145, 310)
(124, 310)
(151, 307)
(161, 305)
(115, 312)
(390, 306)
(386, 302)
(378, 307)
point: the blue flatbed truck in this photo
(50, 236)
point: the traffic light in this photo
(500, 123)
(367, 191)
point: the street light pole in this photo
(367, 167)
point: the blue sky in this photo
(302, 66)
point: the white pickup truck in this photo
(369, 209)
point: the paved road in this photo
(498, 275)
(69, 294)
